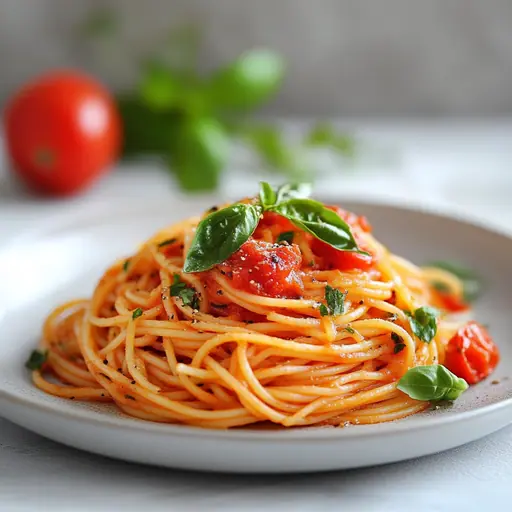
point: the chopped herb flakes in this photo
(37, 359)
(350, 330)
(398, 341)
(187, 294)
(136, 313)
(126, 264)
(335, 302)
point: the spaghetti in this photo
(254, 338)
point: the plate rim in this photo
(51, 228)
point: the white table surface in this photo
(465, 166)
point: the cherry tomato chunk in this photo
(341, 260)
(471, 354)
(266, 269)
(450, 302)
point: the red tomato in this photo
(266, 269)
(471, 353)
(341, 260)
(62, 132)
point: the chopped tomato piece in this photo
(341, 260)
(471, 354)
(451, 303)
(271, 219)
(275, 223)
(266, 269)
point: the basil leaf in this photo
(472, 283)
(325, 134)
(424, 323)
(220, 234)
(274, 152)
(247, 81)
(286, 236)
(159, 89)
(434, 382)
(145, 131)
(136, 313)
(294, 191)
(315, 218)
(267, 195)
(37, 359)
(200, 154)
(335, 302)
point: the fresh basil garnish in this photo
(268, 197)
(223, 232)
(335, 302)
(187, 294)
(471, 282)
(424, 323)
(37, 359)
(220, 234)
(434, 382)
(315, 218)
(293, 190)
(285, 236)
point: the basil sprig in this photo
(223, 232)
(434, 382)
(471, 282)
(424, 323)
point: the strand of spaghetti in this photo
(254, 383)
(72, 392)
(362, 398)
(243, 393)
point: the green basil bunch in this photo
(223, 232)
(190, 119)
(471, 282)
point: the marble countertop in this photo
(451, 165)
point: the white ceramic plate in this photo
(41, 271)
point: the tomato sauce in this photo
(266, 269)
